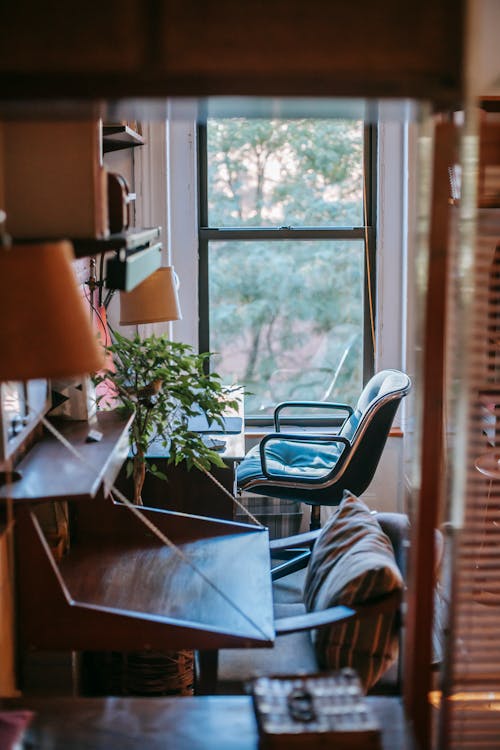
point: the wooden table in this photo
(199, 723)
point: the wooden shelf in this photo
(117, 137)
(51, 472)
(132, 239)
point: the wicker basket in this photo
(141, 673)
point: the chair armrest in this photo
(309, 437)
(339, 613)
(309, 405)
(296, 540)
(312, 620)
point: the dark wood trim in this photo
(219, 47)
(418, 647)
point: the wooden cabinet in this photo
(187, 491)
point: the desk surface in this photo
(198, 723)
(231, 442)
(50, 471)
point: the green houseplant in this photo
(164, 383)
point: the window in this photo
(287, 266)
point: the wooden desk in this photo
(198, 723)
(192, 491)
(120, 587)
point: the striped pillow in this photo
(353, 562)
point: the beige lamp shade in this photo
(45, 328)
(153, 301)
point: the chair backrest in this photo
(367, 429)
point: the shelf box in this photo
(55, 184)
(128, 270)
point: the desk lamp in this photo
(45, 330)
(154, 301)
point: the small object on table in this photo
(310, 711)
(93, 436)
(214, 444)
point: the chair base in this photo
(315, 522)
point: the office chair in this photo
(316, 468)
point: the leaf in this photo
(158, 474)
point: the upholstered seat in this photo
(316, 468)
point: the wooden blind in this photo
(470, 715)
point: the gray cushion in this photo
(291, 654)
(352, 563)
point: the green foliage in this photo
(296, 172)
(164, 383)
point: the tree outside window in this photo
(283, 240)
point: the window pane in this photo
(284, 172)
(286, 319)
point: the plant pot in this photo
(141, 673)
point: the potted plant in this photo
(164, 383)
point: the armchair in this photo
(342, 609)
(316, 467)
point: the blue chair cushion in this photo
(290, 460)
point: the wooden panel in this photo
(7, 679)
(72, 37)
(185, 47)
(185, 491)
(418, 644)
(127, 591)
(51, 472)
(289, 46)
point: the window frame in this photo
(365, 232)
